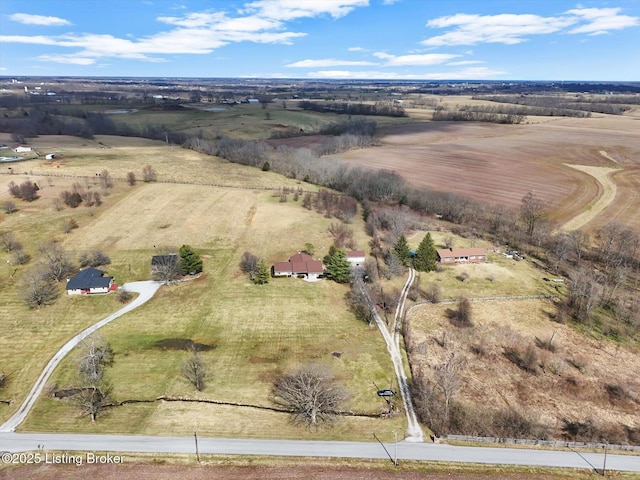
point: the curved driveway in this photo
(146, 290)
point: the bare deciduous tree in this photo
(249, 264)
(463, 315)
(8, 241)
(434, 293)
(195, 371)
(57, 262)
(9, 207)
(38, 289)
(131, 178)
(341, 234)
(448, 381)
(532, 211)
(94, 258)
(20, 257)
(359, 303)
(95, 354)
(69, 224)
(165, 265)
(149, 174)
(57, 204)
(106, 180)
(311, 393)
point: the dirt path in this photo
(606, 198)
(392, 339)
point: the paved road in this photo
(146, 290)
(20, 442)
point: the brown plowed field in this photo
(500, 163)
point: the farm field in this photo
(249, 122)
(500, 163)
(572, 382)
(255, 332)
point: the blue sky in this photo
(342, 39)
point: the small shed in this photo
(356, 257)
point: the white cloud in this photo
(390, 2)
(465, 62)
(415, 60)
(504, 28)
(327, 62)
(284, 10)
(68, 59)
(355, 49)
(511, 29)
(35, 40)
(29, 19)
(261, 21)
(602, 20)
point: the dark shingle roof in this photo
(89, 278)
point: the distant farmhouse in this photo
(88, 281)
(462, 255)
(300, 264)
(22, 149)
(356, 257)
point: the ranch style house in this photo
(461, 255)
(300, 264)
(89, 281)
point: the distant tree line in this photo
(443, 114)
(561, 105)
(385, 109)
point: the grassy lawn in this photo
(257, 331)
(498, 277)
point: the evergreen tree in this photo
(190, 261)
(426, 260)
(402, 250)
(337, 265)
(262, 274)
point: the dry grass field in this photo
(499, 277)
(257, 331)
(500, 163)
(570, 382)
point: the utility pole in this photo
(604, 464)
(395, 455)
(195, 435)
